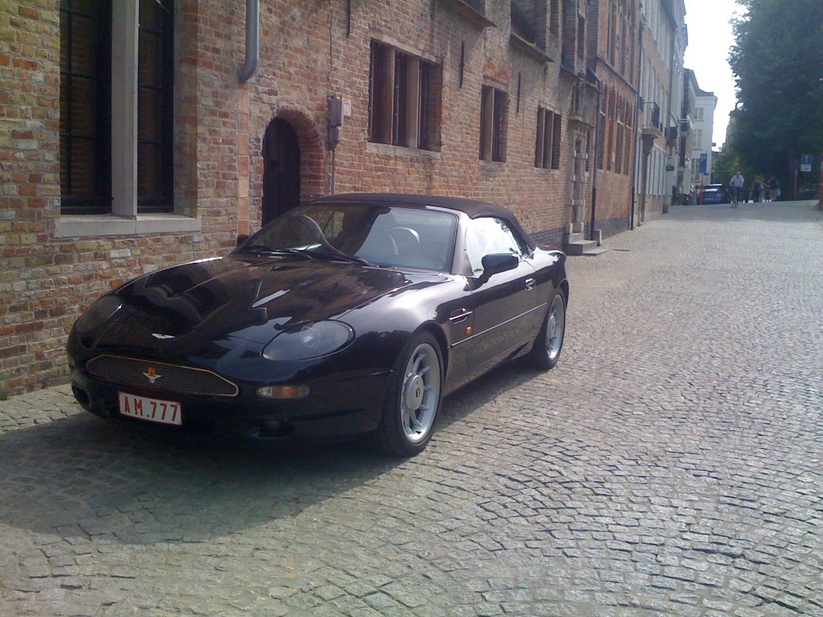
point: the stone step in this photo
(580, 247)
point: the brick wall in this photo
(46, 280)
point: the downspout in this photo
(249, 67)
(672, 71)
(596, 162)
(638, 117)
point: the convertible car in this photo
(353, 314)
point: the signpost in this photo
(806, 163)
(806, 167)
(820, 202)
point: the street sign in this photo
(704, 160)
(806, 163)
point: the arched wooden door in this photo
(281, 172)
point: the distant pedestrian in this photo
(774, 189)
(757, 190)
(737, 183)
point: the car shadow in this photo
(81, 477)
(84, 477)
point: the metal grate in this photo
(148, 375)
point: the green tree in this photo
(778, 65)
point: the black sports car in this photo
(352, 314)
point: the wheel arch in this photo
(440, 336)
(564, 287)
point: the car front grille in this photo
(148, 375)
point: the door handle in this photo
(530, 283)
(459, 315)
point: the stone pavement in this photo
(672, 464)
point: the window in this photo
(89, 32)
(404, 99)
(547, 148)
(528, 20)
(489, 235)
(628, 142)
(621, 135)
(493, 106)
(85, 107)
(154, 108)
(554, 17)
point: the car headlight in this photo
(311, 340)
(98, 312)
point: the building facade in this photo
(662, 47)
(705, 104)
(142, 133)
(614, 60)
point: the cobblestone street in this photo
(671, 464)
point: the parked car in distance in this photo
(354, 314)
(714, 194)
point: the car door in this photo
(504, 308)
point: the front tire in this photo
(549, 342)
(413, 399)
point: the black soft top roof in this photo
(470, 207)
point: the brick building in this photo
(614, 38)
(142, 133)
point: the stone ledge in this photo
(110, 225)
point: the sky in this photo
(710, 38)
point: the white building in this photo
(702, 117)
(663, 42)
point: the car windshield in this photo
(382, 235)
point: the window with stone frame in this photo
(404, 99)
(493, 111)
(87, 29)
(529, 19)
(547, 144)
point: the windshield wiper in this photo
(260, 249)
(335, 254)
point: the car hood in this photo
(197, 304)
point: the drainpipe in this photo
(597, 129)
(249, 67)
(638, 111)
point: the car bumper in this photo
(342, 407)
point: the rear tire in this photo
(412, 400)
(549, 342)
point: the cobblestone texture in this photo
(670, 465)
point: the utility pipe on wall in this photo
(592, 74)
(249, 67)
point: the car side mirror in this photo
(242, 238)
(494, 263)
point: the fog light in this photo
(283, 392)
